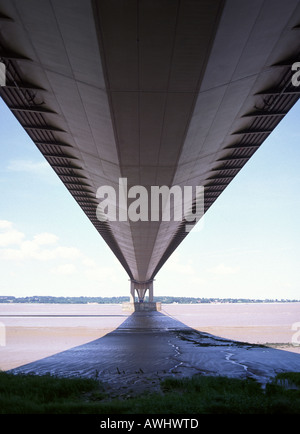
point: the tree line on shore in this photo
(123, 299)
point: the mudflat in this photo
(130, 352)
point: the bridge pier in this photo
(141, 288)
(132, 292)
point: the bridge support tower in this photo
(140, 289)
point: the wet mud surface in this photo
(150, 346)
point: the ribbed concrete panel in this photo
(167, 46)
(161, 92)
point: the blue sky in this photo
(248, 245)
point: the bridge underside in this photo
(158, 92)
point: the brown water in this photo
(261, 323)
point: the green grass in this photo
(29, 394)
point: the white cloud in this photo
(37, 248)
(11, 237)
(60, 252)
(89, 262)
(101, 274)
(64, 269)
(176, 264)
(222, 269)
(5, 224)
(45, 238)
(40, 169)
(37, 167)
(44, 251)
(11, 254)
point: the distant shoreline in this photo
(122, 299)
